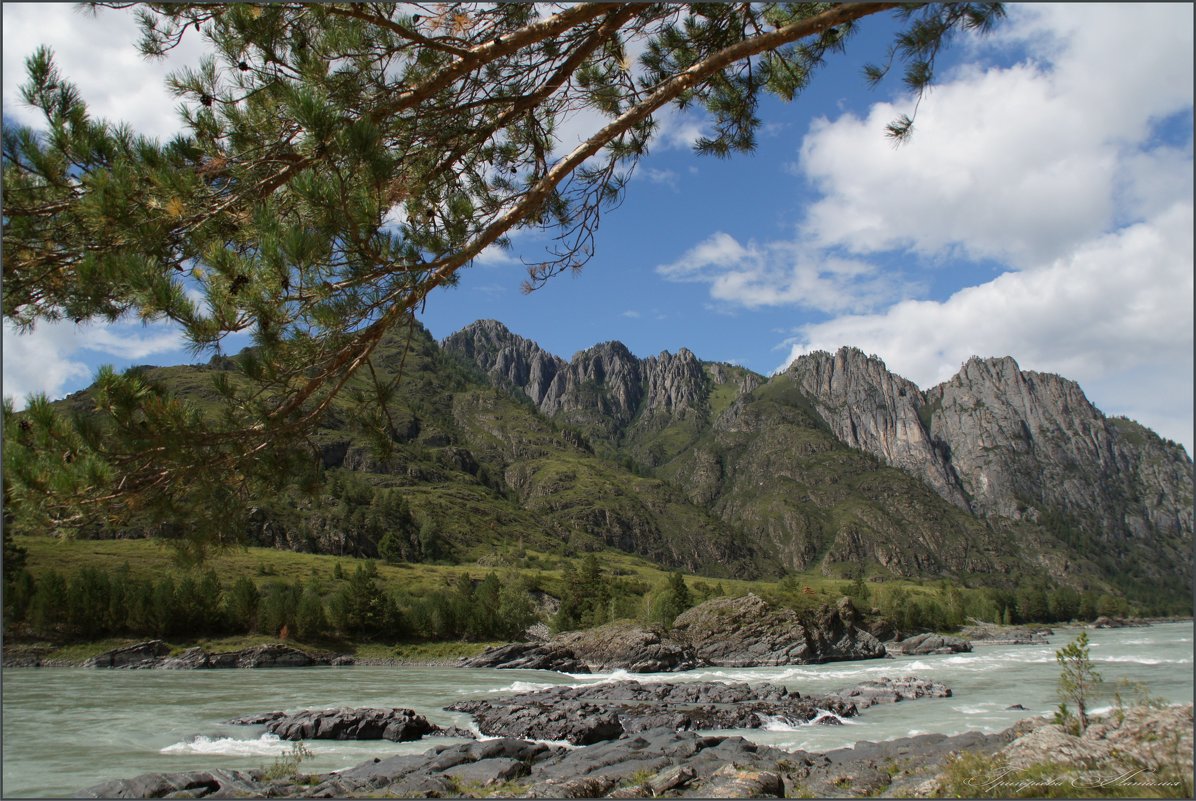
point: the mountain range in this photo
(835, 464)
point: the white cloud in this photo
(782, 274)
(1019, 164)
(99, 55)
(40, 362)
(51, 358)
(1116, 316)
(631, 314)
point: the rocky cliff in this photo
(1016, 445)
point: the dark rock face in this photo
(749, 632)
(395, 724)
(922, 644)
(582, 715)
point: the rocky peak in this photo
(603, 383)
(1020, 440)
(870, 408)
(508, 359)
(674, 383)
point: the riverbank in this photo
(40, 653)
(69, 728)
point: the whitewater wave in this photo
(523, 687)
(1142, 660)
(266, 745)
(782, 723)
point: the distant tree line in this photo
(95, 603)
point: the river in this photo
(67, 728)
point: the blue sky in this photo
(1043, 210)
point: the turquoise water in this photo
(65, 729)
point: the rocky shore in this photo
(661, 762)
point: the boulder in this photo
(628, 646)
(366, 723)
(923, 644)
(191, 659)
(732, 782)
(265, 656)
(487, 772)
(191, 784)
(750, 632)
(990, 634)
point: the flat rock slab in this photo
(589, 714)
(890, 691)
(153, 655)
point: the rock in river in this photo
(589, 714)
(366, 723)
(724, 632)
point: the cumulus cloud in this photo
(782, 274)
(98, 54)
(39, 362)
(1019, 164)
(53, 358)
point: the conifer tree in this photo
(337, 164)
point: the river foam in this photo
(266, 745)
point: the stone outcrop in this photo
(527, 656)
(636, 649)
(1142, 749)
(653, 763)
(366, 723)
(724, 632)
(991, 634)
(750, 632)
(153, 655)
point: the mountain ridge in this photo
(1011, 448)
(836, 465)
